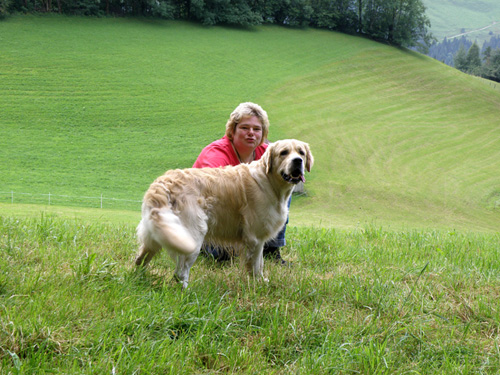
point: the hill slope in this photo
(477, 18)
(401, 137)
(92, 106)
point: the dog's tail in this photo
(169, 231)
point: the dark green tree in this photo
(359, 8)
(4, 8)
(233, 12)
(491, 69)
(334, 15)
(347, 17)
(460, 59)
(487, 54)
(411, 25)
(297, 13)
(473, 60)
(324, 14)
(374, 18)
(400, 22)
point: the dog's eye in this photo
(284, 153)
(301, 152)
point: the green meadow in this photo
(450, 18)
(101, 107)
(394, 246)
(363, 301)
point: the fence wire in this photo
(69, 200)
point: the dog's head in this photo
(288, 159)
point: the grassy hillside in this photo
(103, 106)
(402, 137)
(448, 18)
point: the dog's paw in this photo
(177, 280)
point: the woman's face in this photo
(247, 134)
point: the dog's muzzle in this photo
(296, 174)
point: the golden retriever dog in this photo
(241, 206)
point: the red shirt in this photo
(221, 153)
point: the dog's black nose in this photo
(297, 161)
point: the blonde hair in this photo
(244, 110)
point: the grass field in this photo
(100, 107)
(412, 144)
(361, 301)
(395, 247)
(449, 18)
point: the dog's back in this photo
(185, 207)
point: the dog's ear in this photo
(267, 159)
(310, 159)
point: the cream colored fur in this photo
(242, 206)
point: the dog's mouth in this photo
(294, 178)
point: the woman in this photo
(245, 141)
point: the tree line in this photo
(468, 57)
(471, 62)
(399, 22)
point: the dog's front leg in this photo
(253, 259)
(184, 264)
